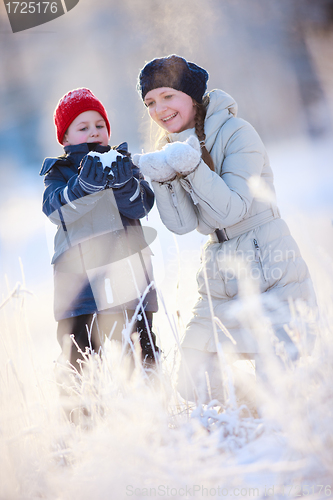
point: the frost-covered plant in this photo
(122, 432)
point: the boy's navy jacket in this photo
(96, 235)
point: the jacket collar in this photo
(78, 151)
(74, 154)
(85, 147)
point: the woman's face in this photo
(171, 109)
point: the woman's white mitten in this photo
(154, 166)
(183, 157)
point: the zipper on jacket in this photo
(257, 255)
(174, 202)
(190, 191)
(194, 197)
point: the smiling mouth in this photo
(169, 117)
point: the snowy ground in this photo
(140, 440)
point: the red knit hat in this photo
(72, 105)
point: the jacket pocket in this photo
(174, 203)
(259, 261)
(242, 263)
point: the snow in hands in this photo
(106, 158)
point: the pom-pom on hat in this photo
(72, 105)
(174, 72)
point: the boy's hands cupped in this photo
(92, 178)
(120, 172)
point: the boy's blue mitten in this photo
(120, 173)
(92, 178)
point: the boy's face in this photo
(89, 126)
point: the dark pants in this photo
(90, 332)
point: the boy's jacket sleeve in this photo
(134, 200)
(56, 201)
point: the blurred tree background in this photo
(275, 57)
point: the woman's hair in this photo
(200, 133)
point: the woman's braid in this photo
(200, 132)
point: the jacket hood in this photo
(220, 107)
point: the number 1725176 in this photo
(31, 7)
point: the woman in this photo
(212, 174)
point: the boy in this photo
(102, 267)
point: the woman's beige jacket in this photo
(260, 255)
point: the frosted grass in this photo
(136, 438)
